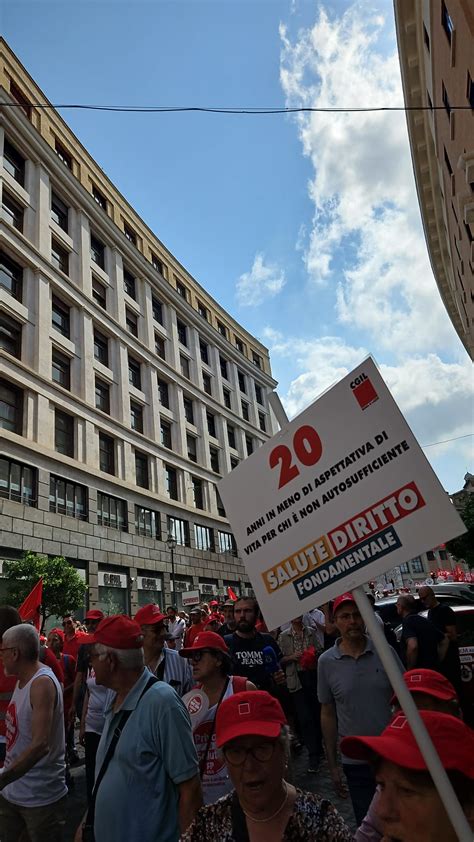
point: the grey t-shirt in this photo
(359, 688)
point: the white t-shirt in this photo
(45, 783)
(95, 705)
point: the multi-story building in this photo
(126, 391)
(436, 47)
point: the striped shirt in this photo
(176, 671)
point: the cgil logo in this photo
(364, 391)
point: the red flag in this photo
(30, 609)
(231, 594)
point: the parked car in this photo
(387, 606)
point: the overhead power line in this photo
(165, 109)
(445, 441)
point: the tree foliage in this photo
(463, 546)
(63, 589)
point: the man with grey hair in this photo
(148, 787)
(32, 783)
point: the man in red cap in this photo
(149, 788)
(163, 662)
(355, 692)
(408, 804)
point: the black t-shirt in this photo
(442, 616)
(248, 658)
(428, 637)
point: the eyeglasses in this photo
(198, 655)
(237, 755)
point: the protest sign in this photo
(340, 495)
(189, 598)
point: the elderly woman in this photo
(252, 732)
(408, 805)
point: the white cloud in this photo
(366, 225)
(262, 282)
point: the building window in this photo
(191, 445)
(404, 568)
(184, 365)
(11, 277)
(188, 410)
(233, 463)
(227, 543)
(179, 530)
(97, 252)
(106, 454)
(164, 393)
(446, 100)
(207, 383)
(470, 90)
(261, 421)
(258, 394)
(129, 284)
(221, 328)
(241, 378)
(99, 293)
(17, 482)
(20, 97)
(256, 359)
(13, 162)
(102, 396)
(160, 346)
(203, 538)
(245, 411)
(214, 457)
(60, 317)
(101, 348)
(67, 498)
(157, 264)
(147, 522)
(134, 373)
(61, 369)
(182, 333)
(130, 234)
(416, 565)
(219, 504)
(136, 417)
(224, 367)
(59, 256)
(181, 290)
(131, 320)
(211, 424)
(99, 197)
(197, 489)
(141, 470)
(10, 335)
(112, 512)
(202, 310)
(63, 154)
(12, 212)
(231, 436)
(165, 434)
(157, 310)
(59, 212)
(171, 482)
(63, 433)
(446, 21)
(443, 555)
(204, 351)
(239, 345)
(227, 398)
(11, 408)
(430, 555)
(249, 444)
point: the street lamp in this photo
(171, 544)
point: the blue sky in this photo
(306, 229)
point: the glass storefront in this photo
(150, 589)
(113, 592)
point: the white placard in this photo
(340, 495)
(190, 598)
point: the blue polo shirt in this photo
(138, 798)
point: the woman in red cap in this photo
(252, 732)
(211, 665)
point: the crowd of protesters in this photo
(188, 724)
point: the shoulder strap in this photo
(111, 750)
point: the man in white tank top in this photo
(32, 784)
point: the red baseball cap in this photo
(94, 614)
(452, 739)
(213, 618)
(57, 631)
(149, 615)
(205, 640)
(345, 597)
(117, 631)
(249, 712)
(430, 682)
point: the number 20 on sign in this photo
(307, 449)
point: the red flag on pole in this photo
(30, 609)
(231, 594)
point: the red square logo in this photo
(365, 394)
